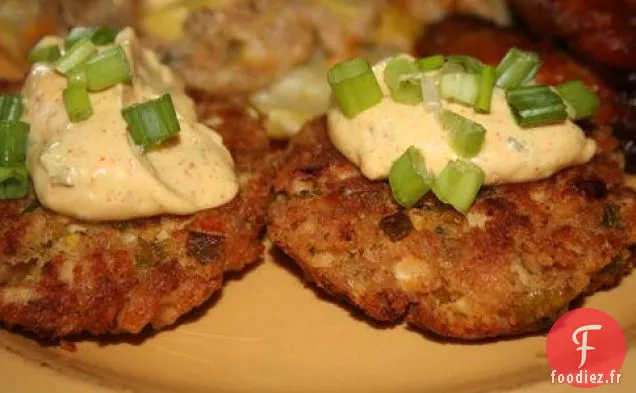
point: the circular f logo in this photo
(586, 348)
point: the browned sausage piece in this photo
(603, 31)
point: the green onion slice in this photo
(409, 179)
(467, 137)
(77, 103)
(104, 36)
(516, 68)
(431, 63)
(77, 77)
(486, 86)
(152, 122)
(451, 68)
(44, 54)
(399, 77)
(13, 141)
(534, 106)
(460, 87)
(78, 34)
(107, 69)
(530, 78)
(581, 102)
(458, 184)
(430, 94)
(14, 182)
(354, 86)
(98, 35)
(10, 107)
(77, 55)
(468, 63)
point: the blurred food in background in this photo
(275, 52)
(601, 31)
(22, 23)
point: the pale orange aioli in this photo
(375, 138)
(93, 171)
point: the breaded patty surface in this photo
(59, 276)
(513, 264)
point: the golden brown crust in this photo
(60, 277)
(512, 265)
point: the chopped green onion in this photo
(77, 77)
(98, 35)
(14, 182)
(77, 55)
(486, 86)
(77, 103)
(451, 68)
(104, 36)
(458, 184)
(409, 179)
(13, 141)
(78, 34)
(10, 107)
(107, 69)
(152, 122)
(516, 68)
(461, 87)
(467, 137)
(430, 94)
(44, 54)
(468, 63)
(403, 89)
(431, 63)
(536, 106)
(530, 79)
(354, 86)
(581, 102)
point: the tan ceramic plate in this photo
(269, 333)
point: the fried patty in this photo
(513, 264)
(60, 276)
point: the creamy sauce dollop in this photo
(375, 138)
(93, 171)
